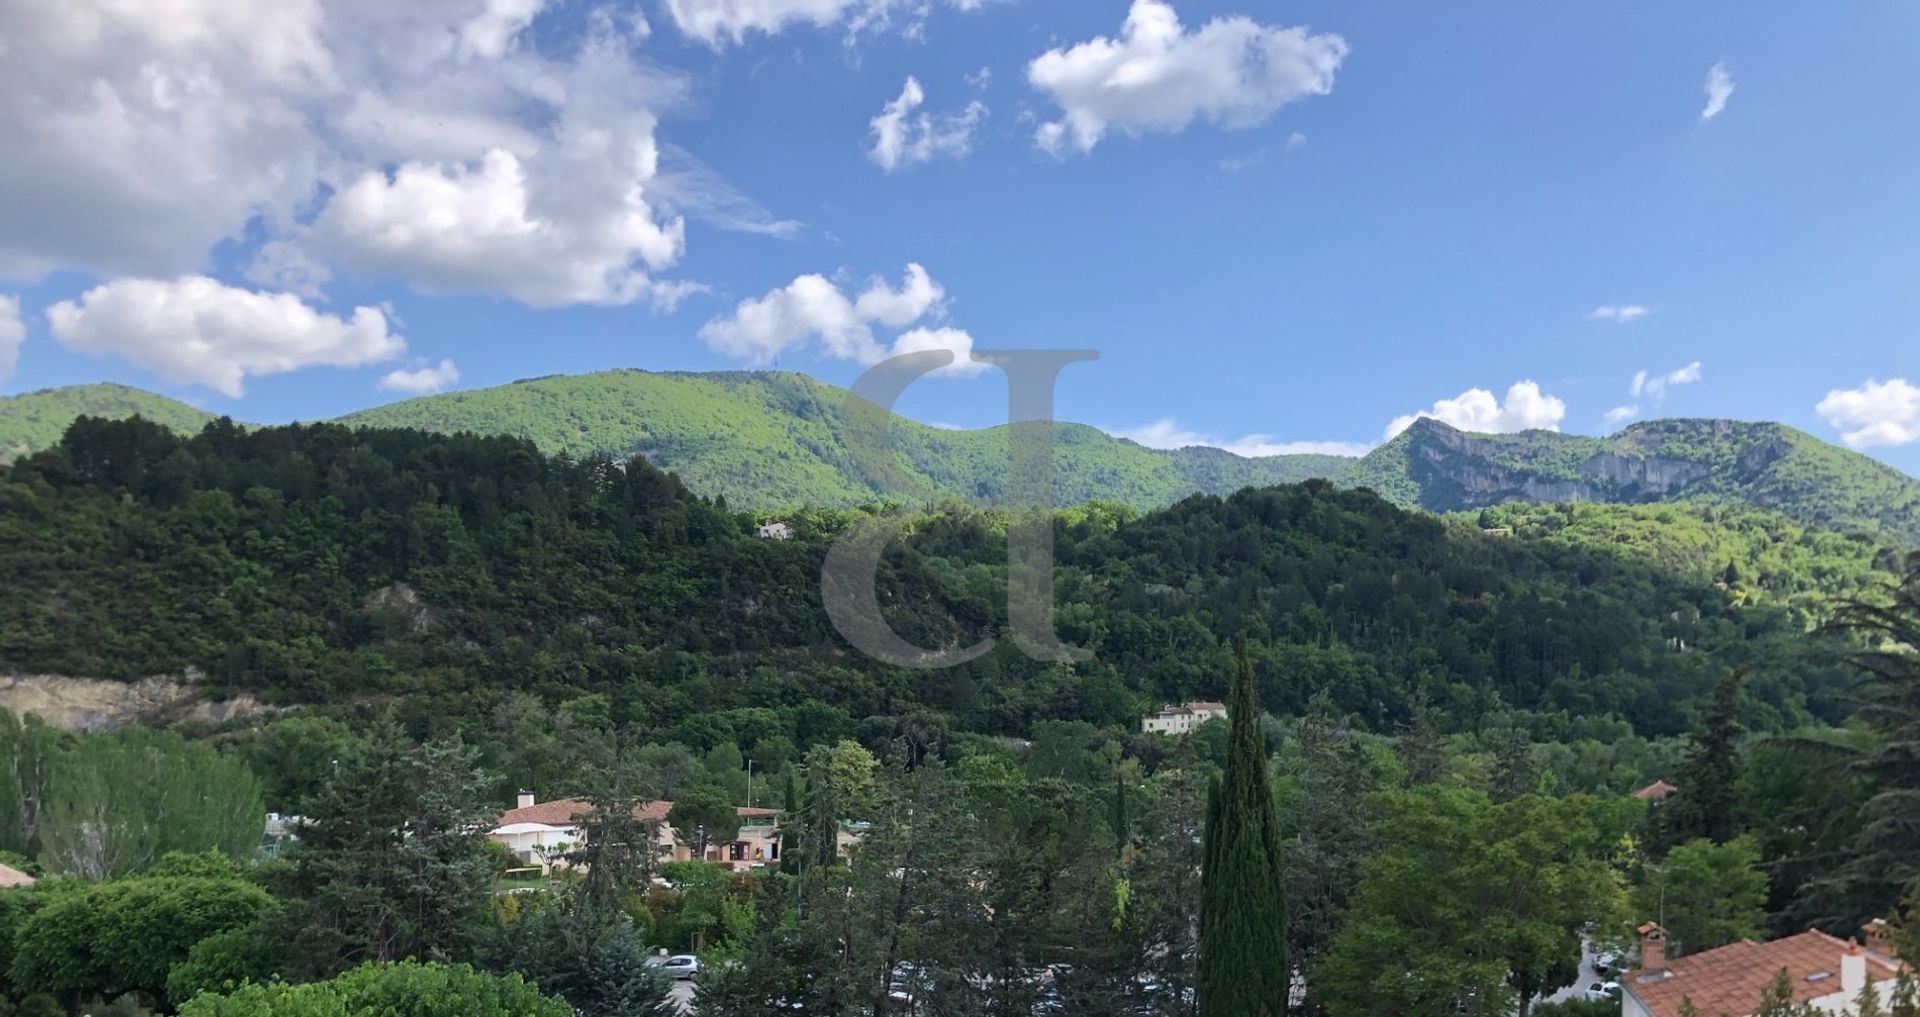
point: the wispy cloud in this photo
(1719, 88)
(1168, 433)
(689, 185)
(1621, 313)
(1648, 389)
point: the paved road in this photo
(1588, 976)
(683, 994)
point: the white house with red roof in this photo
(541, 833)
(1826, 972)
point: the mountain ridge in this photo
(773, 440)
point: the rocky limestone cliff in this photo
(1468, 469)
(94, 704)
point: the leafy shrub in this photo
(405, 989)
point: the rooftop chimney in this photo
(1653, 947)
(524, 800)
(1853, 970)
(1878, 937)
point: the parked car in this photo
(1604, 990)
(683, 965)
(1607, 963)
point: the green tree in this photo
(589, 958)
(704, 815)
(223, 961)
(126, 935)
(405, 989)
(1709, 794)
(1906, 995)
(1881, 865)
(293, 755)
(1515, 773)
(1705, 894)
(1326, 818)
(392, 861)
(1421, 747)
(1777, 1000)
(117, 802)
(842, 781)
(1469, 905)
(28, 749)
(1242, 969)
(1868, 1003)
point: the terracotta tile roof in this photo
(1731, 979)
(1656, 791)
(1215, 707)
(569, 811)
(10, 876)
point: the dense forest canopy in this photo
(319, 564)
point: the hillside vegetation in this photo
(775, 441)
(766, 439)
(1770, 466)
(36, 420)
(319, 564)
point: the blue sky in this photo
(1278, 239)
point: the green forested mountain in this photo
(775, 441)
(770, 439)
(1433, 466)
(761, 439)
(36, 420)
(319, 564)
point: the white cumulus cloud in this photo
(1525, 408)
(812, 307)
(549, 221)
(13, 332)
(1168, 433)
(917, 295)
(955, 339)
(1876, 413)
(1622, 414)
(903, 137)
(1719, 88)
(1160, 77)
(421, 380)
(138, 135)
(1621, 313)
(426, 141)
(197, 330)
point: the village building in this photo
(1827, 973)
(1182, 719)
(541, 833)
(1658, 791)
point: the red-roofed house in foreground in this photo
(1826, 973)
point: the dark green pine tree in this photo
(1709, 785)
(1242, 970)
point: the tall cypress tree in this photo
(1243, 924)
